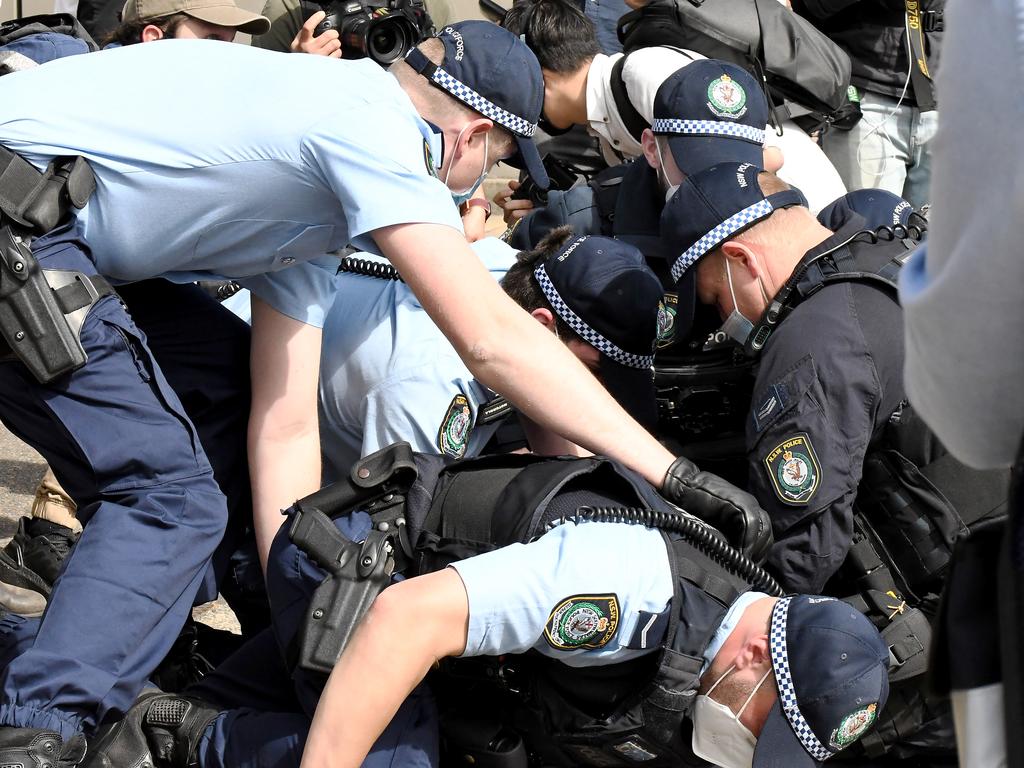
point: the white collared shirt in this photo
(644, 72)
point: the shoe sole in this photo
(22, 601)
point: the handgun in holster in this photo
(356, 571)
(42, 311)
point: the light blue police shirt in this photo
(387, 373)
(577, 594)
(226, 161)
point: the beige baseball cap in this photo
(222, 12)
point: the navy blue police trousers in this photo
(123, 446)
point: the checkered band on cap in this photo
(787, 693)
(749, 215)
(588, 334)
(474, 100)
(708, 128)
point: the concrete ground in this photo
(20, 471)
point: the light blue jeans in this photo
(887, 149)
(606, 14)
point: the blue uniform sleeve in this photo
(583, 594)
(303, 292)
(378, 168)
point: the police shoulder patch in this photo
(582, 621)
(853, 726)
(428, 159)
(793, 469)
(667, 320)
(456, 426)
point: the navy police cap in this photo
(879, 207)
(709, 208)
(604, 290)
(832, 672)
(493, 72)
(713, 112)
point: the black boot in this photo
(161, 730)
(37, 748)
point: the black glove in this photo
(720, 504)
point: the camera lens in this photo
(387, 41)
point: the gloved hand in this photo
(721, 504)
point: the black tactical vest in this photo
(614, 715)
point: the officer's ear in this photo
(649, 143)
(754, 654)
(474, 132)
(544, 317)
(150, 32)
(742, 256)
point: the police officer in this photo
(387, 373)
(199, 180)
(215, 395)
(744, 240)
(688, 133)
(603, 643)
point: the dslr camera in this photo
(383, 30)
(561, 175)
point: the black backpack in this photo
(805, 74)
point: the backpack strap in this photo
(632, 119)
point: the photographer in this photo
(292, 25)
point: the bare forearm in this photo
(284, 436)
(410, 626)
(283, 469)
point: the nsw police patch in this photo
(853, 726)
(428, 159)
(794, 470)
(726, 98)
(456, 426)
(667, 320)
(582, 621)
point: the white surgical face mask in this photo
(718, 735)
(670, 189)
(736, 325)
(460, 197)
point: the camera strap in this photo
(920, 75)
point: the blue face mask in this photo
(460, 197)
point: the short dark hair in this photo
(522, 287)
(559, 34)
(130, 32)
